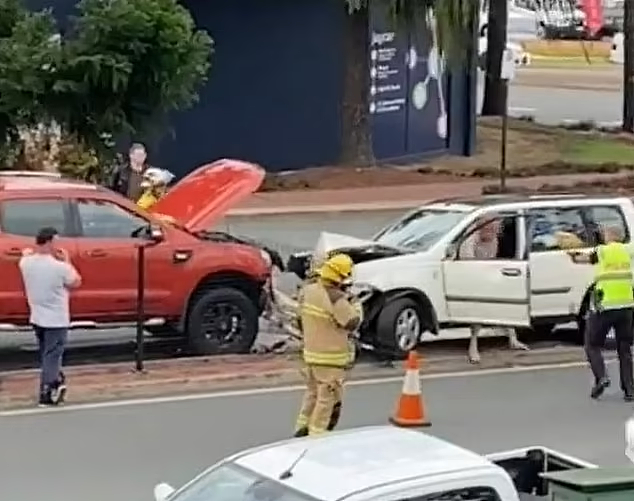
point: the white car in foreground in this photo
(424, 280)
(379, 463)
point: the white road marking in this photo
(281, 389)
(515, 109)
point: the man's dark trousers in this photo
(597, 328)
(52, 342)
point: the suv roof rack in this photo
(30, 173)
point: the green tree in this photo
(455, 22)
(128, 65)
(26, 58)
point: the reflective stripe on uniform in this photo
(340, 359)
(312, 310)
(302, 422)
(614, 275)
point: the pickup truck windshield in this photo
(230, 482)
(421, 229)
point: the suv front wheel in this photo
(222, 321)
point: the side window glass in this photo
(466, 494)
(26, 217)
(101, 219)
(606, 216)
(555, 229)
(489, 239)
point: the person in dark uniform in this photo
(612, 301)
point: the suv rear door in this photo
(107, 261)
(20, 220)
(493, 290)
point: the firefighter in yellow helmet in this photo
(154, 186)
(328, 317)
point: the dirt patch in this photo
(532, 150)
(567, 48)
(613, 186)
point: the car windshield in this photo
(421, 229)
(230, 482)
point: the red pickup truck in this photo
(208, 286)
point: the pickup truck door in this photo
(107, 261)
(20, 221)
(489, 291)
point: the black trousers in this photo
(597, 328)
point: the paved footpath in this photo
(120, 452)
(385, 197)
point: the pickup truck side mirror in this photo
(155, 233)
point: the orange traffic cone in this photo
(410, 410)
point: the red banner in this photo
(593, 9)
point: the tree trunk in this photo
(493, 103)
(356, 132)
(628, 66)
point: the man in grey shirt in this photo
(48, 275)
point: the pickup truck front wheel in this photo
(399, 322)
(222, 321)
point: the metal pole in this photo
(140, 308)
(505, 126)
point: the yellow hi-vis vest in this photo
(613, 276)
(325, 325)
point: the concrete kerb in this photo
(106, 383)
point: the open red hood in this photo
(202, 197)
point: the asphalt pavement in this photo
(552, 106)
(119, 453)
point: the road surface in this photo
(552, 106)
(120, 452)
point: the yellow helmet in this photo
(337, 268)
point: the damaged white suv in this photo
(426, 278)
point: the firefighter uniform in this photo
(613, 301)
(328, 318)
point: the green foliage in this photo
(125, 65)
(130, 63)
(453, 21)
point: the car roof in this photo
(359, 459)
(526, 198)
(25, 182)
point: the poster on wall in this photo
(408, 87)
(388, 84)
(428, 122)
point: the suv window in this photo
(465, 494)
(26, 217)
(602, 216)
(102, 219)
(558, 229)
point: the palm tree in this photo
(628, 66)
(455, 21)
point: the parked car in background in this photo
(207, 286)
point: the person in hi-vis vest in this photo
(612, 301)
(328, 317)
